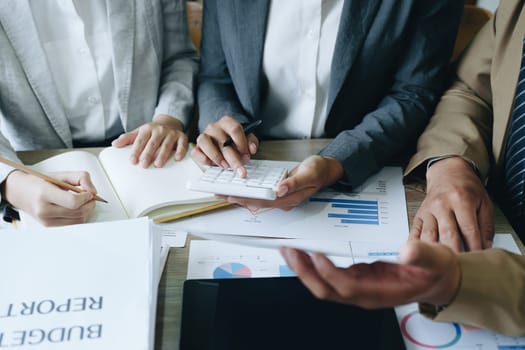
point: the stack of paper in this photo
(90, 286)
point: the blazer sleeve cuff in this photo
(357, 165)
(181, 111)
(491, 293)
(5, 170)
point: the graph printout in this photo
(421, 333)
(212, 259)
(374, 212)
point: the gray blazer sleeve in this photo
(6, 151)
(217, 96)
(403, 113)
(179, 64)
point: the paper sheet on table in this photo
(171, 236)
(359, 251)
(80, 286)
(213, 259)
(375, 212)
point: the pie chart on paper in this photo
(232, 270)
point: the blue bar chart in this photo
(352, 211)
(374, 212)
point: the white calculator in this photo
(261, 180)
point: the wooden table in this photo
(170, 288)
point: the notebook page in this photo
(143, 190)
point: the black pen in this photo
(10, 214)
(247, 128)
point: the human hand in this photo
(312, 174)
(153, 142)
(50, 204)
(210, 149)
(427, 272)
(456, 208)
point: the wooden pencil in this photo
(197, 211)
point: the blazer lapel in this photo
(250, 24)
(120, 14)
(17, 19)
(355, 21)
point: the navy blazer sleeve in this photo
(216, 93)
(402, 114)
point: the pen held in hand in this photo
(59, 183)
(247, 128)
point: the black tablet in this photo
(278, 313)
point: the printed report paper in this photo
(213, 259)
(91, 286)
(374, 212)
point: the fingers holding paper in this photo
(311, 175)
(457, 209)
(49, 204)
(427, 273)
(224, 143)
(153, 143)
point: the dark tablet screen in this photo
(278, 313)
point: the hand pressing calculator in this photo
(261, 181)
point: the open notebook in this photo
(131, 191)
(91, 286)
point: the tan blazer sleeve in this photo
(491, 294)
(462, 123)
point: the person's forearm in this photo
(491, 294)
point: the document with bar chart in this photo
(375, 212)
